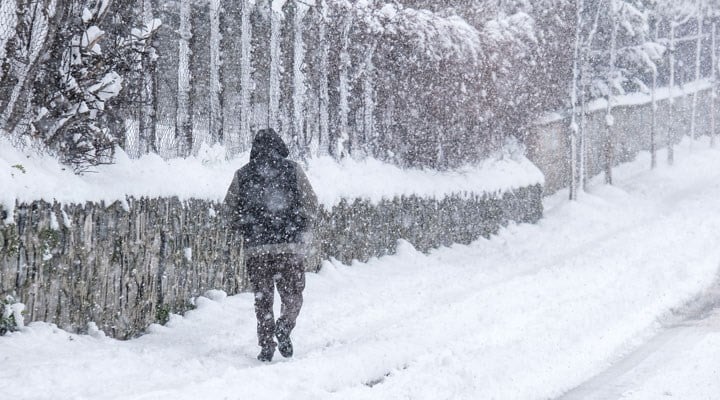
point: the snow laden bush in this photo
(91, 64)
(438, 79)
(63, 64)
(11, 315)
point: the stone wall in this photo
(549, 147)
(128, 264)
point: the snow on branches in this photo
(621, 51)
(91, 66)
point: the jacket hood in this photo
(268, 144)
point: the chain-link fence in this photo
(8, 21)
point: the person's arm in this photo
(231, 203)
(308, 201)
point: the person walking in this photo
(272, 205)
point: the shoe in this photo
(285, 345)
(266, 354)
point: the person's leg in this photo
(290, 285)
(260, 273)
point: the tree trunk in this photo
(653, 121)
(609, 121)
(672, 124)
(574, 127)
(369, 131)
(245, 75)
(324, 95)
(582, 136)
(183, 124)
(148, 140)
(231, 76)
(713, 94)
(215, 119)
(299, 88)
(276, 67)
(341, 138)
(698, 54)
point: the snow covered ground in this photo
(529, 314)
(680, 362)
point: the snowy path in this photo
(679, 362)
(529, 314)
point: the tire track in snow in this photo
(682, 327)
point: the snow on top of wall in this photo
(376, 180)
(635, 99)
(29, 177)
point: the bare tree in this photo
(713, 95)
(677, 13)
(574, 102)
(215, 117)
(698, 53)
(184, 123)
(653, 105)
(276, 68)
(323, 95)
(246, 34)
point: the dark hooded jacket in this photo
(270, 200)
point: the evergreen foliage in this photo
(9, 315)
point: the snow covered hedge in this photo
(127, 265)
(131, 242)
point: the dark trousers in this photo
(288, 273)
